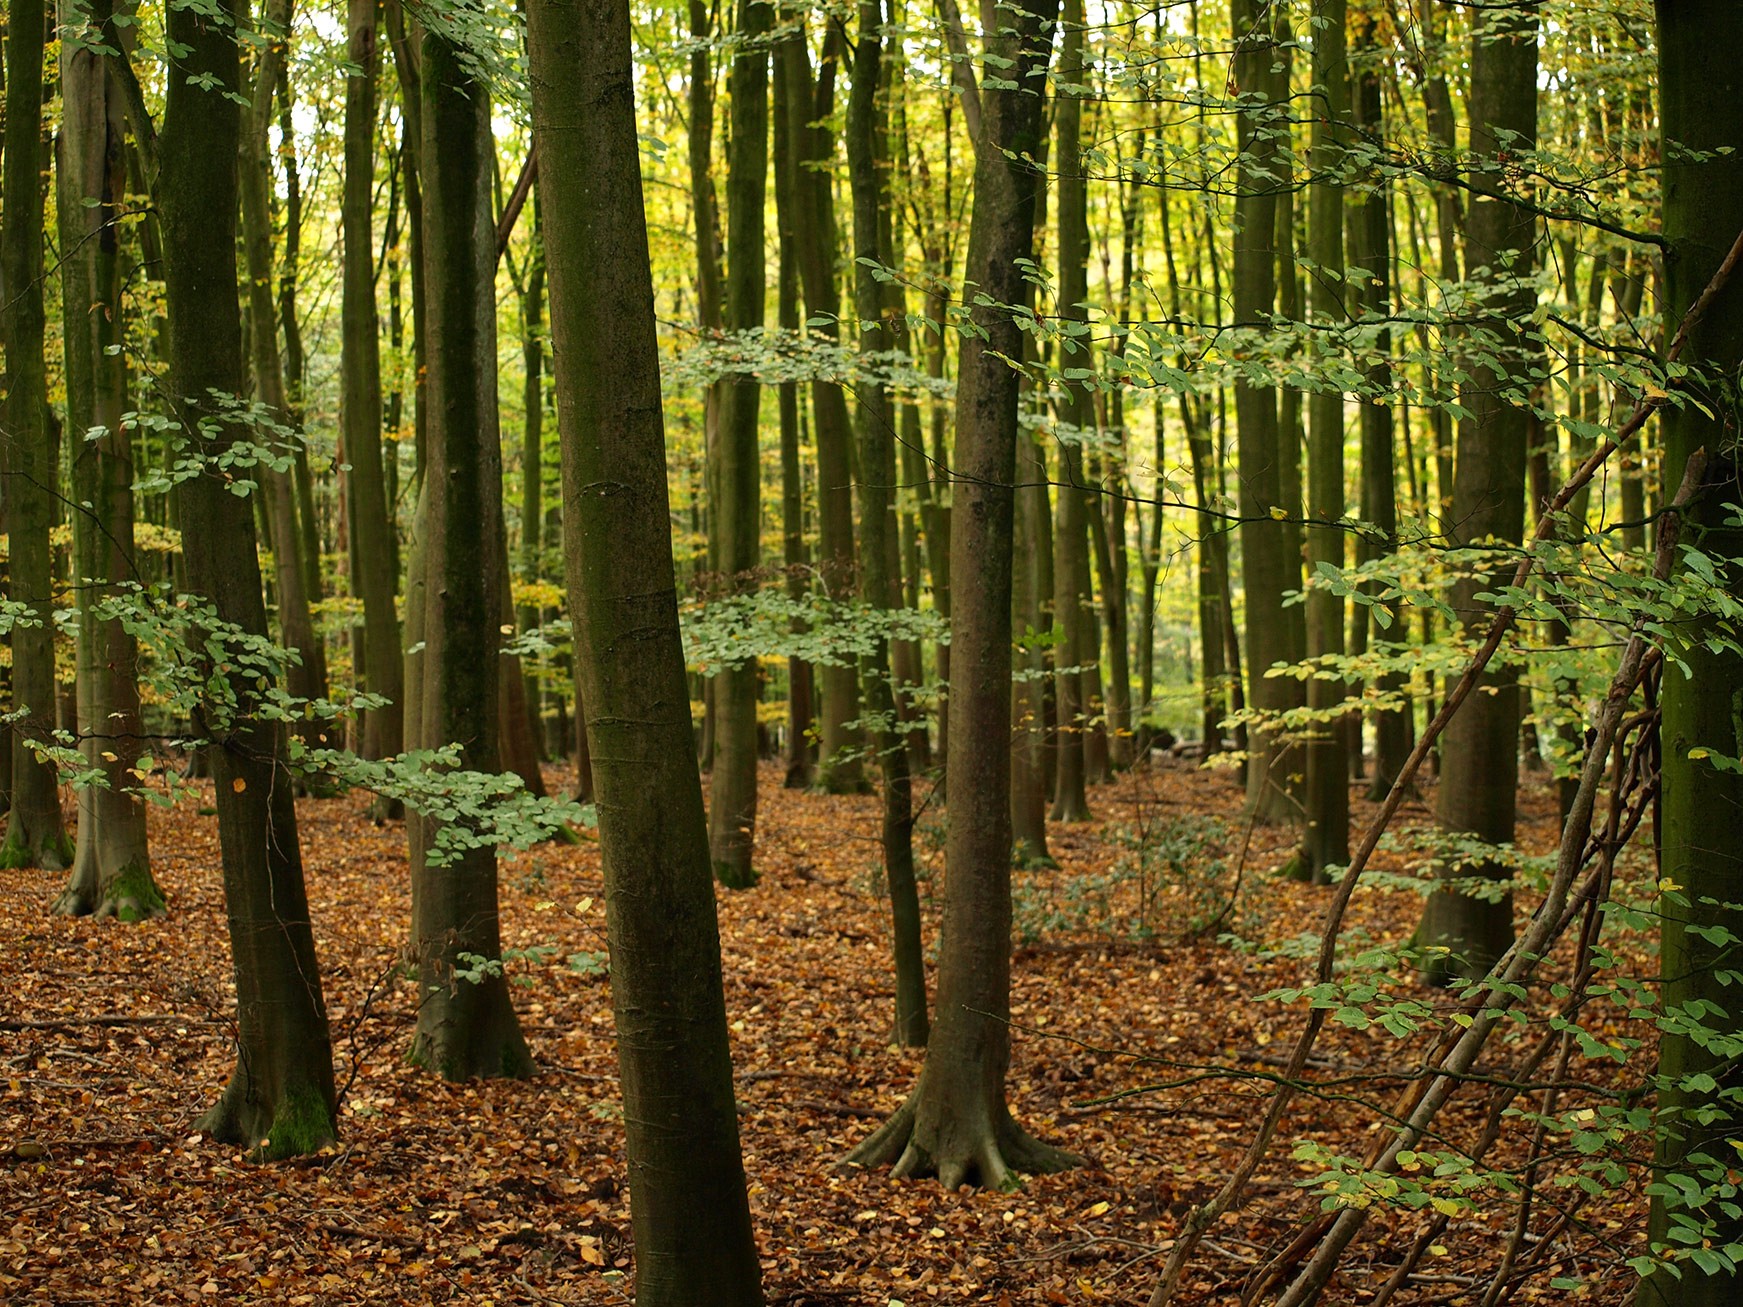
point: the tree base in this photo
(988, 1155)
(732, 876)
(297, 1123)
(132, 895)
(53, 852)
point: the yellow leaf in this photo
(1098, 1209)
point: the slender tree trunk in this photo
(1326, 795)
(737, 499)
(812, 104)
(368, 511)
(35, 835)
(688, 1208)
(956, 1125)
(280, 1100)
(1029, 690)
(1463, 934)
(307, 675)
(111, 873)
(1275, 634)
(466, 1027)
(877, 478)
(800, 698)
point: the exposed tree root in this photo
(988, 1151)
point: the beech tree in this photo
(35, 836)
(688, 1207)
(1701, 120)
(956, 1124)
(467, 1025)
(280, 1099)
(1462, 933)
(111, 873)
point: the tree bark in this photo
(878, 588)
(466, 1027)
(1325, 796)
(956, 1124)
(1702, 120)
(307, 674)
(1462, 934)
(689, 1212)
(1275, 634)
(35, 835)
(280, 1101)
(812, 104)
(737, 499)
(111, 873)
(368, 511)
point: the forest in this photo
(729, 652)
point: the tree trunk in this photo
(878, 588)
(689, 1212)
(1463, 934)
(811, 106)
(35, 835)
(956, 1124)
(280, 1100)
(367, 509)
(1702, 119)
(307, 675)
(466, 1027)
(1029, 691)
(111, 864)
(794, 555)
(737, 500)
(1325, 796)
(1275, 634)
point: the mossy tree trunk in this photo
(688, 1207)
(737, 481)
(956, 1124)
(35, 835)
(1698, 1078)
(111, 873)
(466, 1027)
(1465, 933)
(280, 1100)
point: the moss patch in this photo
(134, 893)
(302, 1124)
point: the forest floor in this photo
(114, 1039)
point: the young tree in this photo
(956, 1124)
(466, 1025)
(366, 506)
(811, 105)
(111, 873)
(281, 1097)
(689, 1211)
(1698, 1077)
(877, 476)
(35, 836)
(1071, 615)
(1464, 933)
(1275, 633)
(1326, 794)
(737, 504)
